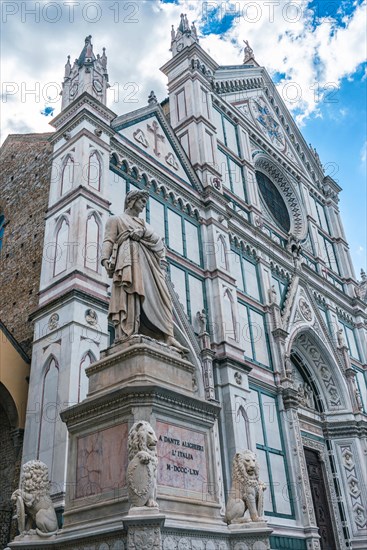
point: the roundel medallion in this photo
(267, 122)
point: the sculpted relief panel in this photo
(355, 493)
(327, 379)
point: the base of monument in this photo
(140, 379)
(249, 526)
(145, 511)
(144, 360)
(150, 531)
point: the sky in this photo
(315, 51)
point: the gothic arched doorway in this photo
(320, 391)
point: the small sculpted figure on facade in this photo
(202, 318)
(33, 503)
(272, 293)
(309, 396)
(142, 468)
(248, 52)
(131, 254)
(247, 490)
(359, 399)
(306, 396)
(340, 338)
(289, 370)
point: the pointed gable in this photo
(250, 89)
(148, 133)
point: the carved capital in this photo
(280, 334)
(290, 398)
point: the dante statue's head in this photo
(133, 196)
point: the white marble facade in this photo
(281, 376)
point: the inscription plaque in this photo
(101, 461)
(182, 457)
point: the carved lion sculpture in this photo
(247, 490)
(33, 502)
(142, 468)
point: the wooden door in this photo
(320, 500)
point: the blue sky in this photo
(319, 45)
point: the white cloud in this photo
(137, 39)
(314, 59)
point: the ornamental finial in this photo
(248, 53)
(152, 98)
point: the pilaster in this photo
(298, 473)
(70, 323)
(190, 73)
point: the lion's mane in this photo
(33, 501)
(247, 490)
(137, 439)
(240, 475)
(34, 479)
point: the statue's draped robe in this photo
(138, 284)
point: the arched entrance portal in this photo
(321, 390)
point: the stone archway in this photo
(322, 374)
(9, 462)
(287, 190)
(323, 370)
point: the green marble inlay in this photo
(287, 543)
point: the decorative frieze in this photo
(355, 495)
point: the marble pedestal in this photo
(141, 379)
(143, 527)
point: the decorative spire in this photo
(248, 53)
(67, 68)
(104, 59)
(152, 98)
(87, 56)
(361, 289)
(88, 74)
(184, 36)
(316, 157)
(184, 24)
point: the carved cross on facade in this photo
(157, 137)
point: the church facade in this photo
(265, 296)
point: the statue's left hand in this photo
(137, 234)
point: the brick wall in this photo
(24, 185)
